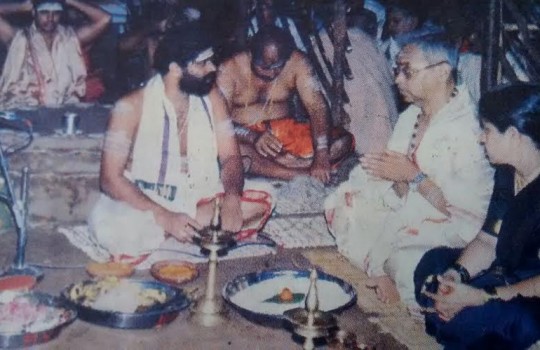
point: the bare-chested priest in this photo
(258, 85)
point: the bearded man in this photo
(161, 152)
(44, 64)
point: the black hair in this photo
(268, 35)
(515, 105)
(410, 8)
(181, 45)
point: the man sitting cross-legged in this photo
(160, 159)
(258, 85)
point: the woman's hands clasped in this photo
(389, 165)
(452, 297)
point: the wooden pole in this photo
(339, 30)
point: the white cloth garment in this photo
(387, 235)
(372, 102)
(469, 68)
(155, 169)
(34, 75)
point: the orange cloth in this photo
(295, 136)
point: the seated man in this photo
(160, 157)
(430, 187)
(44, 64)
(257, 85)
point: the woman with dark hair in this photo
(487, 295)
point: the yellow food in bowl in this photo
(177, 272)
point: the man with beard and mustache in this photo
(161, 151)
(258, 85)
(44, 64)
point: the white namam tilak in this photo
(50, 6)
(204, 55)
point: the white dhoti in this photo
(387, 235)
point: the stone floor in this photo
(63, 188)
(52, 249)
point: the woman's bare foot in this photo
(385, 289)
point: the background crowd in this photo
(119, 59)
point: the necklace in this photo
(413, 143)
(520, 182)
(267, 103)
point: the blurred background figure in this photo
(136, 47)
(44, 63)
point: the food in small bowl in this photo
(116, 295)
(174, 271)
(109, 269)
(21, 283)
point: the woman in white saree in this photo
(432, 185)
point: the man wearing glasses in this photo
(44, 64)
(430, 188)
(258, 85)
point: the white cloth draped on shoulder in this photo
(178, 183)
(34, 75)
(155, 169)
(375, 228)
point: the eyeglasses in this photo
(277, 65)
(409, 72)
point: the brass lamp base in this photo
(208, 313)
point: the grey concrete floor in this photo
(48, 247)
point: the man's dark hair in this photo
(272, 35)
(181, 45)
(410, 8)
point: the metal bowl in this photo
(277, 320)
(24, 339)
(153, 317)
(155, 271)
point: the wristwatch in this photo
(413, 185)
(491, 293)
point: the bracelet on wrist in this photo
(464, 274)
(321, 142)
(490, 293)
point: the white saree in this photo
(385, 234)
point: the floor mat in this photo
(299, 231)
(169, 249)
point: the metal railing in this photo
(511, 43)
